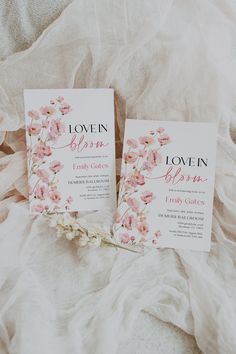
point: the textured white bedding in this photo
(22, 21)
(166, 60)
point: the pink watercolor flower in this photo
(158, 233)
(69, 199)
(153, 157)
(160, 130)
(128, 222)
(39, 208)
(34, 129)
(164, 139)
(124, 238)
(147, 197)
(42, 150)
(146, 140)
(57, 128)
(65, 108)
(36, 158)
(56, 166)
(133, 204)
(132, 238)
(41, 192)
(60, 99)
(47, 111)
(143, 228)
(55, 196)
(128, 186)
(33, 114)
(132, 143)
(45, 123)
(130, 157)
(137, 179)
(152, 132)
(142, 153)
(43, 175)
(147, 166)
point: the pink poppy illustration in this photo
(34, 129)
(147, 197)
(48, 111)
(45, 123)
(142, 153)
(55, 166)
(132, 143)
(33, 114)
(57, 128)
(35, 159)
(39, 208)
(143, 228)
(65, 108)
(55, 196)
(128, 222)
(147, 166)
(42, 150)
(133, 204)
(124, 237)
(60, 99)
(130, 157)
(133, 197)
(153, 157)
(43, 175)
(41, 192)
(160, 130)
(164, 139)
(137, 179)
(146, 140)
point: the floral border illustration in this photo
(43, 131)
(141, 157)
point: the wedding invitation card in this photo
(71, 149)
(167, 184)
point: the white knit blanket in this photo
(166, 59)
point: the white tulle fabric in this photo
(171, 60)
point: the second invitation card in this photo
(167, 184)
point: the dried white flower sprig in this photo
(83, 232)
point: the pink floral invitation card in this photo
(71, 149)
(167, 184)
